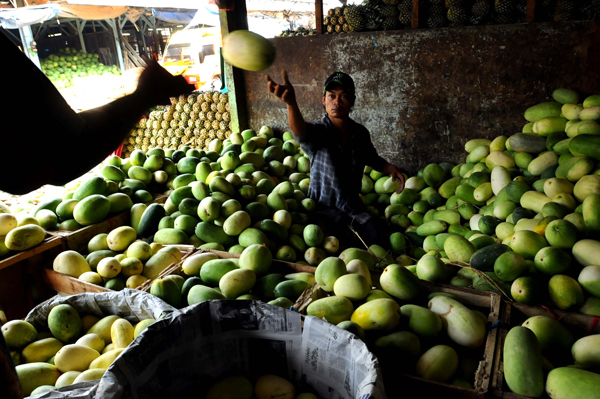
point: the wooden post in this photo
(80, 26)
(116, 28)
(530, 13)
(319, 16)
(230, 21)
(415, 14)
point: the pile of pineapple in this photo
(373, 15)
(193, 120)
(300, 31)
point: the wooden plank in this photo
(49, 242)
(530, 12)
(230, 21)
(319, 16)
(68, 285)
(415, 14)
(63, 284)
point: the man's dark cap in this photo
(342, 79)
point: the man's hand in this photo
(284, 92)
(399, 176)
(396, 175)
(156, 84)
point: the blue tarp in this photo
(206, 15)
(15, 18)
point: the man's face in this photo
(338, 103)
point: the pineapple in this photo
(187, 108)
(207, 97)
(162, 132)
(155, 125)
(210, 116)
(173, 100)
(218, 116)
(176, 115)
(222, 126)
(173, 124)
(215, 125)
(182, 99)
(213, 107)
(197, 107)
(458, 15)
(226, 116)
(164, 125)
(205, 107)
(207, 125)
(191, 124)
(224, 98)
(179, 107)
(131, 140)
(142, 123)
(170, 132)
(191, 99)
(221, 107)
(216, 96)
(355, 18)
(505, 7)
(564, 10)
(138, 140)
(198, 124)
(481, 8)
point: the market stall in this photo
(198, 262)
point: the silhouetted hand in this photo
(156, 85)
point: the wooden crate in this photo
(78, 240)
(277, 266)
(21, 285)
(398, 383)
(63, 284)
(514, 314)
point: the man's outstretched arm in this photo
(286, 93)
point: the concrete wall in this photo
(424, 93)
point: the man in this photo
(339, 149)
(49, 142)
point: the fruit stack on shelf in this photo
(194, 120)
(301, 31)
(376, 15)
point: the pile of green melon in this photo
(251, 189)
(520, 216)
(68, 64)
